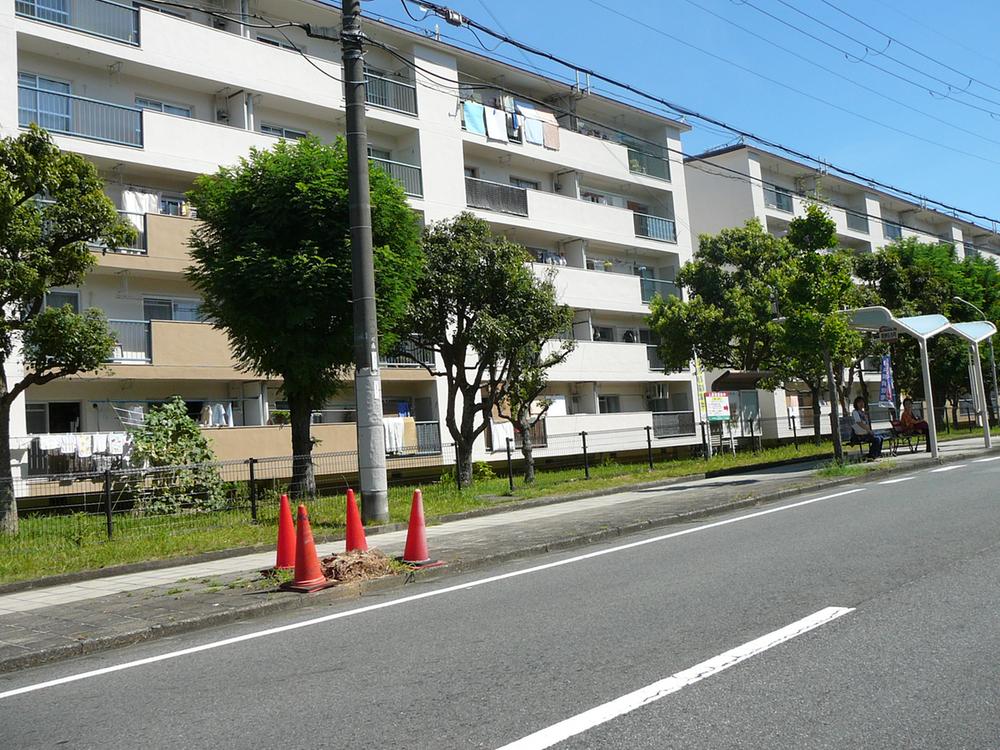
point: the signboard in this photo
(717, 406)
(887, 390)
(888, 334)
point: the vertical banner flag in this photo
(700, 383)
(887, 391)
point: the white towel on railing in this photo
(116, 443)
(393, 429)
(48, 442)
(67, 444)
(496, 124)
(84, 445)
(20, 443)
(499, 432)
(100, 442)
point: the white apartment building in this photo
(728, 186)
(156, 95)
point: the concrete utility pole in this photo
(367, 384)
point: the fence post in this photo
(510, 467)
(753, 441)
(795, 432)
(649, 446)
(586, 460)
(253, 489)
(108, 517)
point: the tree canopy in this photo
(272, 259)
(52, 208)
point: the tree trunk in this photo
(8, 501)
(817, 417)
(528, 451)
(463, 465)
(303, 473)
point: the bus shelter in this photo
(923, 328)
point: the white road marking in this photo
(644, 696)
(987, 460)
(948, 468)
(406, 599)
(897, 481)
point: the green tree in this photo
(272, 259)
(478, 308)
(52, 204)
(732, 287)
(169, 437)
(818, 283)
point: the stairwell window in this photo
(181, 110)
(279, 131)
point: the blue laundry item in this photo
(475, 117)
(534, 132)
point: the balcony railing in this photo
(655, 228)
(133, 341)
(496, 196)
(857, 222)
(390, 93)
(401, 356)
(428, 437)
(406, 175)
(639, 162)
(651, 287)
(779, 199)
(655, 363)
(539, 438)
(138, 222)
(98, 17)
(77, 115)
(673, 423)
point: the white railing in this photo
(389, 93)
(77, 115)
(98, 17)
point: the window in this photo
(609, 404)
(158, 308)
(43, 101)
(164, 11)
(282, 43)
(180, 110)
(53, 11)
(775, 197)
(62, 298)
(172, 205)
(604, 333)
(472, 172)
(279, 131)
(52, 416)
(36, 417)
(379, 153)
(892, 231)
(525, 184)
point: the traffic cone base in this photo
(356, 541)
(415, 552)
(285, 559)
(308, 573)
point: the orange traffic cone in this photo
(356, 541)
(415, 551)
(308, 574)
(286, 537)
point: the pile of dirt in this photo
(357, 566)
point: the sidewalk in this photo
(44, 624)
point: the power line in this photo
(686, 111)
(903, 44)
(941, 34)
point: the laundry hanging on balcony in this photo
(475, 117)
(137, 203)
(496, 124)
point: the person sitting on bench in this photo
(862, 426)
(910, 423)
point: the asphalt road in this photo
(481, 661)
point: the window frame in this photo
(69, 293)
(143, 102)
(283, 132)
(524, 183)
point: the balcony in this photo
(101, 18)
(407, 175)
(390, 93)
(655, 228)
(651, 287)
(132, 341)
(639, 162)
(610, 361)
(407, 354)
(778, 199)
(496, 196)
(79, 116)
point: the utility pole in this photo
(367, 383)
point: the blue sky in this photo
(962, 37)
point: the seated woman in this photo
(910, 422)
(862, 426)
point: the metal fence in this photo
(496, 196)
(408, 175)
(639, 162)
(390, 93)
(651, 287)
(77, 115)
(655, 227)
(133, 340)
(98, 17)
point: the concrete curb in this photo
(363, 588)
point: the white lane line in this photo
(644, 696)
(987, 460)
(948, 468)
(407, 599)
(897, 481)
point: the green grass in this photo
(49, 545)
(833, 470)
